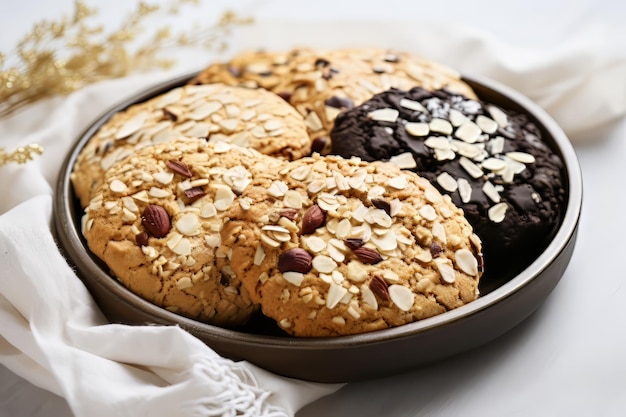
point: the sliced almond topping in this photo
(300, 173)
(314, 243)
(224, 197)
(356, 272)
(471, 168)
(335, 294)
(164, 177)
(465, 190)
(493, 164)
(401, 296)
(456, 117)
(428, 212)
(440, 126)
(399, 183)
(277, 189)
(468, 132)
(496, 213)
(498, 115)
(324, 264)
(294, 278)
(117, 186)
(368, 297)
(439, 232)
(403, 161)
(490, 191)
(445, 270)
(132, 125)
(523, 157)
(184, 282)
(417, 129)
(466, 261)
(413, 105)
(188, 224)
(292, 199)
(384, 115)
(447, 182)
(486, 124)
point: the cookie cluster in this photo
(221, 199)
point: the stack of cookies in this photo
(335, 192)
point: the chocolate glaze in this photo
(534, 198)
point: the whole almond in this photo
(313, 218)
(179, 168)
(380, 288)
(156, 221)
(295, 260)
(367, 255)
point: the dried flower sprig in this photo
(21, 155)
(59, 57)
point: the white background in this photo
(568, 359)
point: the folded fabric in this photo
(53, 334)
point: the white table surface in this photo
(569, 358)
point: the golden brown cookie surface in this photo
(333, 247)
(157, 218)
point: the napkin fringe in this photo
(231, 390)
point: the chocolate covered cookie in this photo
(491, 161)
(329, 247)
(156, 221)
(247, 117)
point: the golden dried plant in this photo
(59, 57)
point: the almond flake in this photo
(224, 197)
(368, 297)
(277, 188)
(496, 145)
(445, 270)
(188, 224)
(158, 192)
(141, 196)
(438, 142)
(471, 168)
(465, 190)
(486, 124)
(444, 154)
(117, 186)
(466, 261)
(447, 182)
(292, 199)
(324, 264)
(212, 240)
(468, 132)
(439, 232)
(132, 125)
(493, 164)
(384, 115)
(417, 129)
(496, 213)
(335, 294)
(399, 183)
(440, 126)
(404, 160)
(413, 105)
(401, 296)
(385, 242)
(522, 157)
(184, 282)
(294, 278)
(163, 177)
(356, 272)
(313, 122)
(205, 110)
(300, 173)
(428, 212)
(183, 247)
(490, 191)
(456, 117)
(314, 243)
(498, 115)
(208, 210)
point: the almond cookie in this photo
(156, 221)
(248, 117)
(491, 161)
(322, 83)
(334, 247)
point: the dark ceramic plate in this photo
(506, 300)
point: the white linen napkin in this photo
(53, 334)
